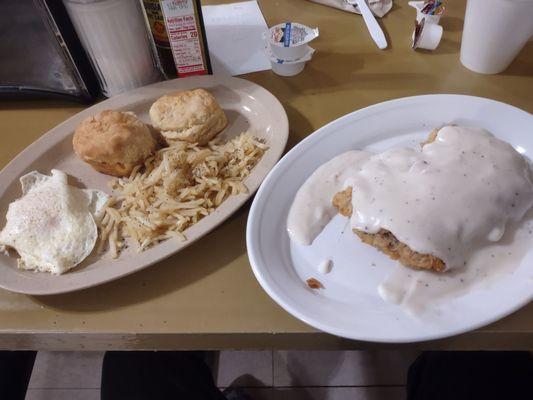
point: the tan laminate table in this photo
(206, 296)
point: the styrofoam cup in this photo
(494, 33)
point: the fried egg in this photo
(53, 225)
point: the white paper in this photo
(235, 38)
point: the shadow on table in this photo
(299, 127)
(331, 72)
(204, 257)
(523, 63)
(327, 72)
(451, 24)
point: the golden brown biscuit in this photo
(384, 240)
(192, 116)
(113, 142)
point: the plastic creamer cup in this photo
(290, 67)
(289, 40)
(430, 19)
(426, 36)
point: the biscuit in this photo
(192, 116)
(385, 240)
(113, 142)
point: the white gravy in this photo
(312, 209)
(451, 198)
(417, 291)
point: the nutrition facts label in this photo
(183, 33)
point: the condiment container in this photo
(156, 22)
(290, 67)
(426, 36)
(186, 33)
(430, 18)
(288, 41)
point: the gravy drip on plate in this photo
(417, 292)
(312, 209)
(449, 199)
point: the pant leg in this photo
(157, 375)
(471, 375)
(15, 373)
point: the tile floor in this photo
(264, 375)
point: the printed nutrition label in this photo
(183, 33)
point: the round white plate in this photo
(248, 107)
(349, 305)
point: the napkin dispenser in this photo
(41, 54)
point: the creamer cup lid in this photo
(291, 34)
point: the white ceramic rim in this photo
(12, 171)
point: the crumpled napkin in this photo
(378, 7)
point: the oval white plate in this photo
(350, 306)
(247, 106)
